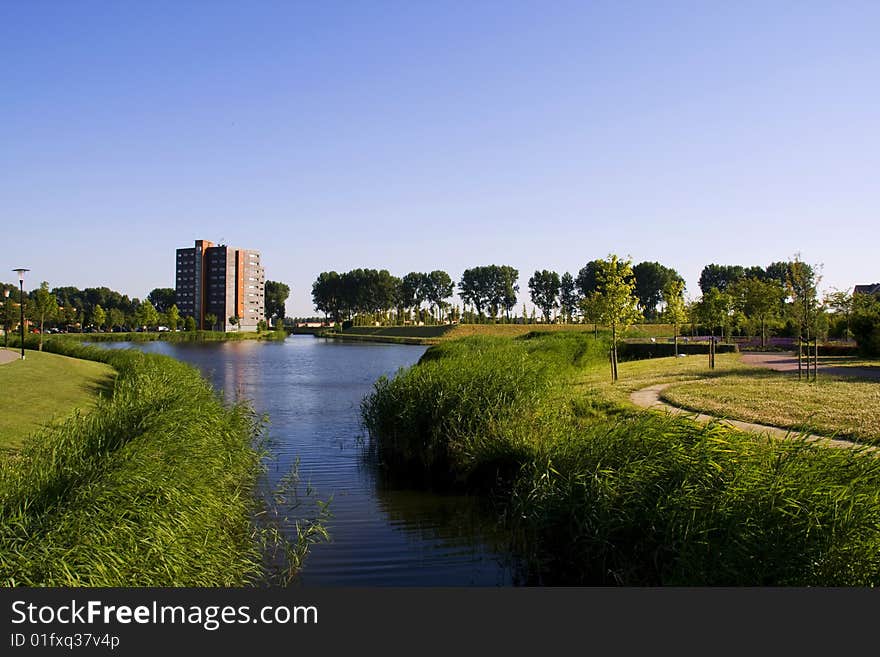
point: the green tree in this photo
(616, 287)
(544, 290)
(758, 299)
(587, 280)
(714, 310)
(189, 324)
(44, 307)
(173, 316)
(438, 287)
(276, 294)
(568, 297)
(115, 318)
(651, 280)
(234, 321)
(327, 295)
(162, 298)
(147, 315)
(802, 288)
(841, 303)
(720, 277)
(475, 288)
(675, 311)
(211, 321)
(591, 310)
(99, 317)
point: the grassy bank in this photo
(47, 387)
(154, 487)
(171, 336)
(599, 493)
(841, 408)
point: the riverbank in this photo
(47, 389)
(170, 336)
(156, 486)
(598, 492)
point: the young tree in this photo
(147, 315)
(173, 315)
(44, 307)
(568, 297)
(619, 304)
(189, 324)
(99, 317)
(211, 321)
(591, 310)
(115, 318)
(675, 312)
(802, 288)
(544, 289)
(714, 310)
(234, 321)
(758, 299)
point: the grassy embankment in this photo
(156, 486)
(46, 388)
(432, 335)
(599, 493)
(171, 336)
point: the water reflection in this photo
(382, 535)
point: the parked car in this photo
(162, 329)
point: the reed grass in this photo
(156, 486)
(596, 492)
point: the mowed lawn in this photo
(848, 408)
(44, 388)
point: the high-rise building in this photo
(222, 281)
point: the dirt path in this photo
(650, 398)
(786, 362)
(7, 356)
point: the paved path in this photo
(7, 356)
(787, 362)
(650, 398)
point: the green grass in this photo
(156, 486)
(45, 388)
(596, 492)
(844, 408)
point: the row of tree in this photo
(102, 308)
(490, 291)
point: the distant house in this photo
(868, 289)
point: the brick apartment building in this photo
(222, 281)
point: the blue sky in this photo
(442, 135)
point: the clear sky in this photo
(437, 135)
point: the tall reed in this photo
(597, 494)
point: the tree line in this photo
(71, 308)
(781, 297)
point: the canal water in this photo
(381, 535)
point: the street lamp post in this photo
(6, 318)
(21, 271)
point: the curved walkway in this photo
(650, 398)
(7, 356)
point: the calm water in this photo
(311, 389)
